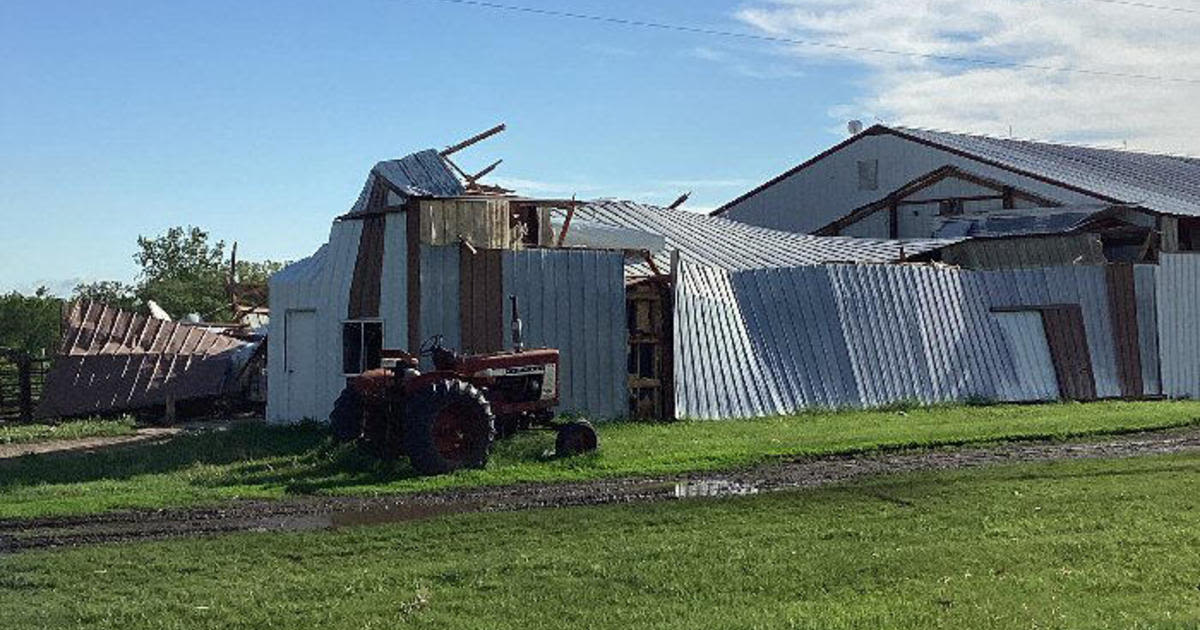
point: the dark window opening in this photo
(529, 219)
(1189, 234)
(950, 207)
(362, 346)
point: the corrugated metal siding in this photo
(320, 283)
(769, 341)
(1178, 300)
(440, 294)
(1083, 285)
(1144, 277)
(1026, 337)
(574, 300)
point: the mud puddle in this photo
(308, 514)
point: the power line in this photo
(1147, 5)
(697, 30)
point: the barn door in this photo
(299, 360)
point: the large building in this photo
(419, 254)
(896, 182)
(664, 313)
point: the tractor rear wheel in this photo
(448, 425)
(346, 419)
(575, 438)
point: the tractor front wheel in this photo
(448, 426)
(346, 419)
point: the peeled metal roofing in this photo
(726, 244)
(1163, 183)
(421, 174)
(1016, 224)
(114, 360)
(778, 340)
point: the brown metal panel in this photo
(413, 240)
(1067, 339)
(481, 300)
(495, 300)
(368, 270)
(1122, 308)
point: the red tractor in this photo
(447, 418)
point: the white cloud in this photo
(1149, 115)
(754, 64)
(536, 187)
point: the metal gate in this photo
(21, 379)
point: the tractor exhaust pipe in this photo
(518, 345)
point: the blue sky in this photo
(259, 121)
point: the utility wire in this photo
(1147, 5)
(697, 30)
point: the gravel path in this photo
(312, 513)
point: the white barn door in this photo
(300, 358)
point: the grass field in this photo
(72, 430)
(257, 461)
(1081, 544)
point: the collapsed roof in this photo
(113, 360)
(726, 244)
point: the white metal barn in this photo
(418, 256)
(897, 182)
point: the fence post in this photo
(25, 376)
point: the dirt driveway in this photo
(325, 513)
(144, 434)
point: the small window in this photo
(362, 346)
(868, 174)
(950, 207)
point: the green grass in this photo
(256, 461)
(71, 430)
(1082, 544)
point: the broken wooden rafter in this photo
(680, 201)
(474, 179)
(562, 235)
(450, 150)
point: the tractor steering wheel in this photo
(429, 345)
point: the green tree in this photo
(111, 292)
(183, 272)
(30, 322)
(256, 273)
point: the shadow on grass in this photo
(300, 459)
(238, 443)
